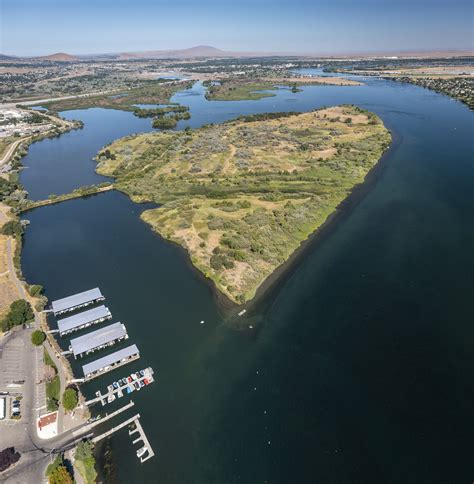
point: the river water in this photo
(359, 366)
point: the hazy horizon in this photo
(319, 27)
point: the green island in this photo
(254, 89)
(241, 197)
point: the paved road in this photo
(42, 101)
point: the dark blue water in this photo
(58, 165)
(359, 368)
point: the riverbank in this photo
(12, 284)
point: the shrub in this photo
(164, 122)
(38, 337)
(60, 475)
(70, 399)
(35, 289)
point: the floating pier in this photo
(120, 389)
(88, 427)
(96, 340)
(76, 301)
(146, 449)
(110, 362)
(83, 320)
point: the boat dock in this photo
(88, 427)
(110, 362)
(83, 320)
(98, 339)
(124, 386)
(146, 449)
(76, 301)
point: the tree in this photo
(20, 313)
(85, 461)
(13, 228)
(60, 475)
(84, 450)
(8, 457)
(70, 399)
(38, 337)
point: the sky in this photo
(40, 27)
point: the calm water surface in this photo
(361, 369)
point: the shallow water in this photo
(361, 368)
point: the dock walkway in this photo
(113, 393)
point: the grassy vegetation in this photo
(53, 389)
(240, 197)
(53, 385)
(152, 92)
(254, 89)
(48, 360)
(240, 90)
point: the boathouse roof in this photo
(71, 302)
(100, 337)
(111, 359)
(86, 317)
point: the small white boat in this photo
(141, 451)
(242, 312)
(202, 322)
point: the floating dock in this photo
(146, 449)
(76, 301)
(83, 320)
(110, 362)
(96, 340)
(124, 386)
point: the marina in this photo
(99, 339)
(124, 386)
(76, 301)
(83, 320)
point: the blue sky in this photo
(37, 27)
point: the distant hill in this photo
(191, 52)
(4, 57)
(59, 57)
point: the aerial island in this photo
(241, 197)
